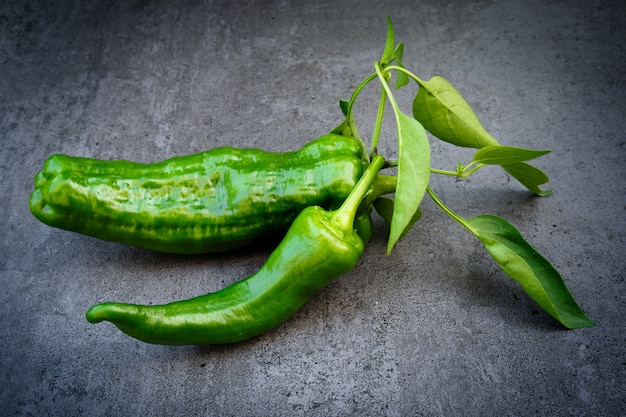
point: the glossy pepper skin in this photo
(319, 246)
(212, 201)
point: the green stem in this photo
(383, 184)
(379, 122)
(392, 100)
(344, 216)
(347, 121)
(461, 173)
(407, 72)
(467, 171)
(444, 172)
(358, 89)
(447, 210)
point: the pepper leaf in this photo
(444, 112)
(402, 78)
(541, 281)
(384, 207)
(391, 54)
(388, 51)
(512, 161)
(498, 155)
(344, 106)
(413, 175)
(530, 176)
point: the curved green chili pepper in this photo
(212, 201)
(318, 247)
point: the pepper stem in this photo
(383, 184)
(344, 216)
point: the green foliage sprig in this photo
(439, 109)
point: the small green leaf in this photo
(384, 207)
(445, 114)
(530, 176)
(345, 107)
(541, 281)
(441, 109)
(389, 43)
(498, 155)
(413, 175)
(402, 78)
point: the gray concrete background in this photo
(435, 329)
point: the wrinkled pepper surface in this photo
(207, 202)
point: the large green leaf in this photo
(541, 281)
(441, 109)
(413, 175)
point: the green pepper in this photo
(319, 246)
(212, 201)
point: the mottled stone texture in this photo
(434, 329)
